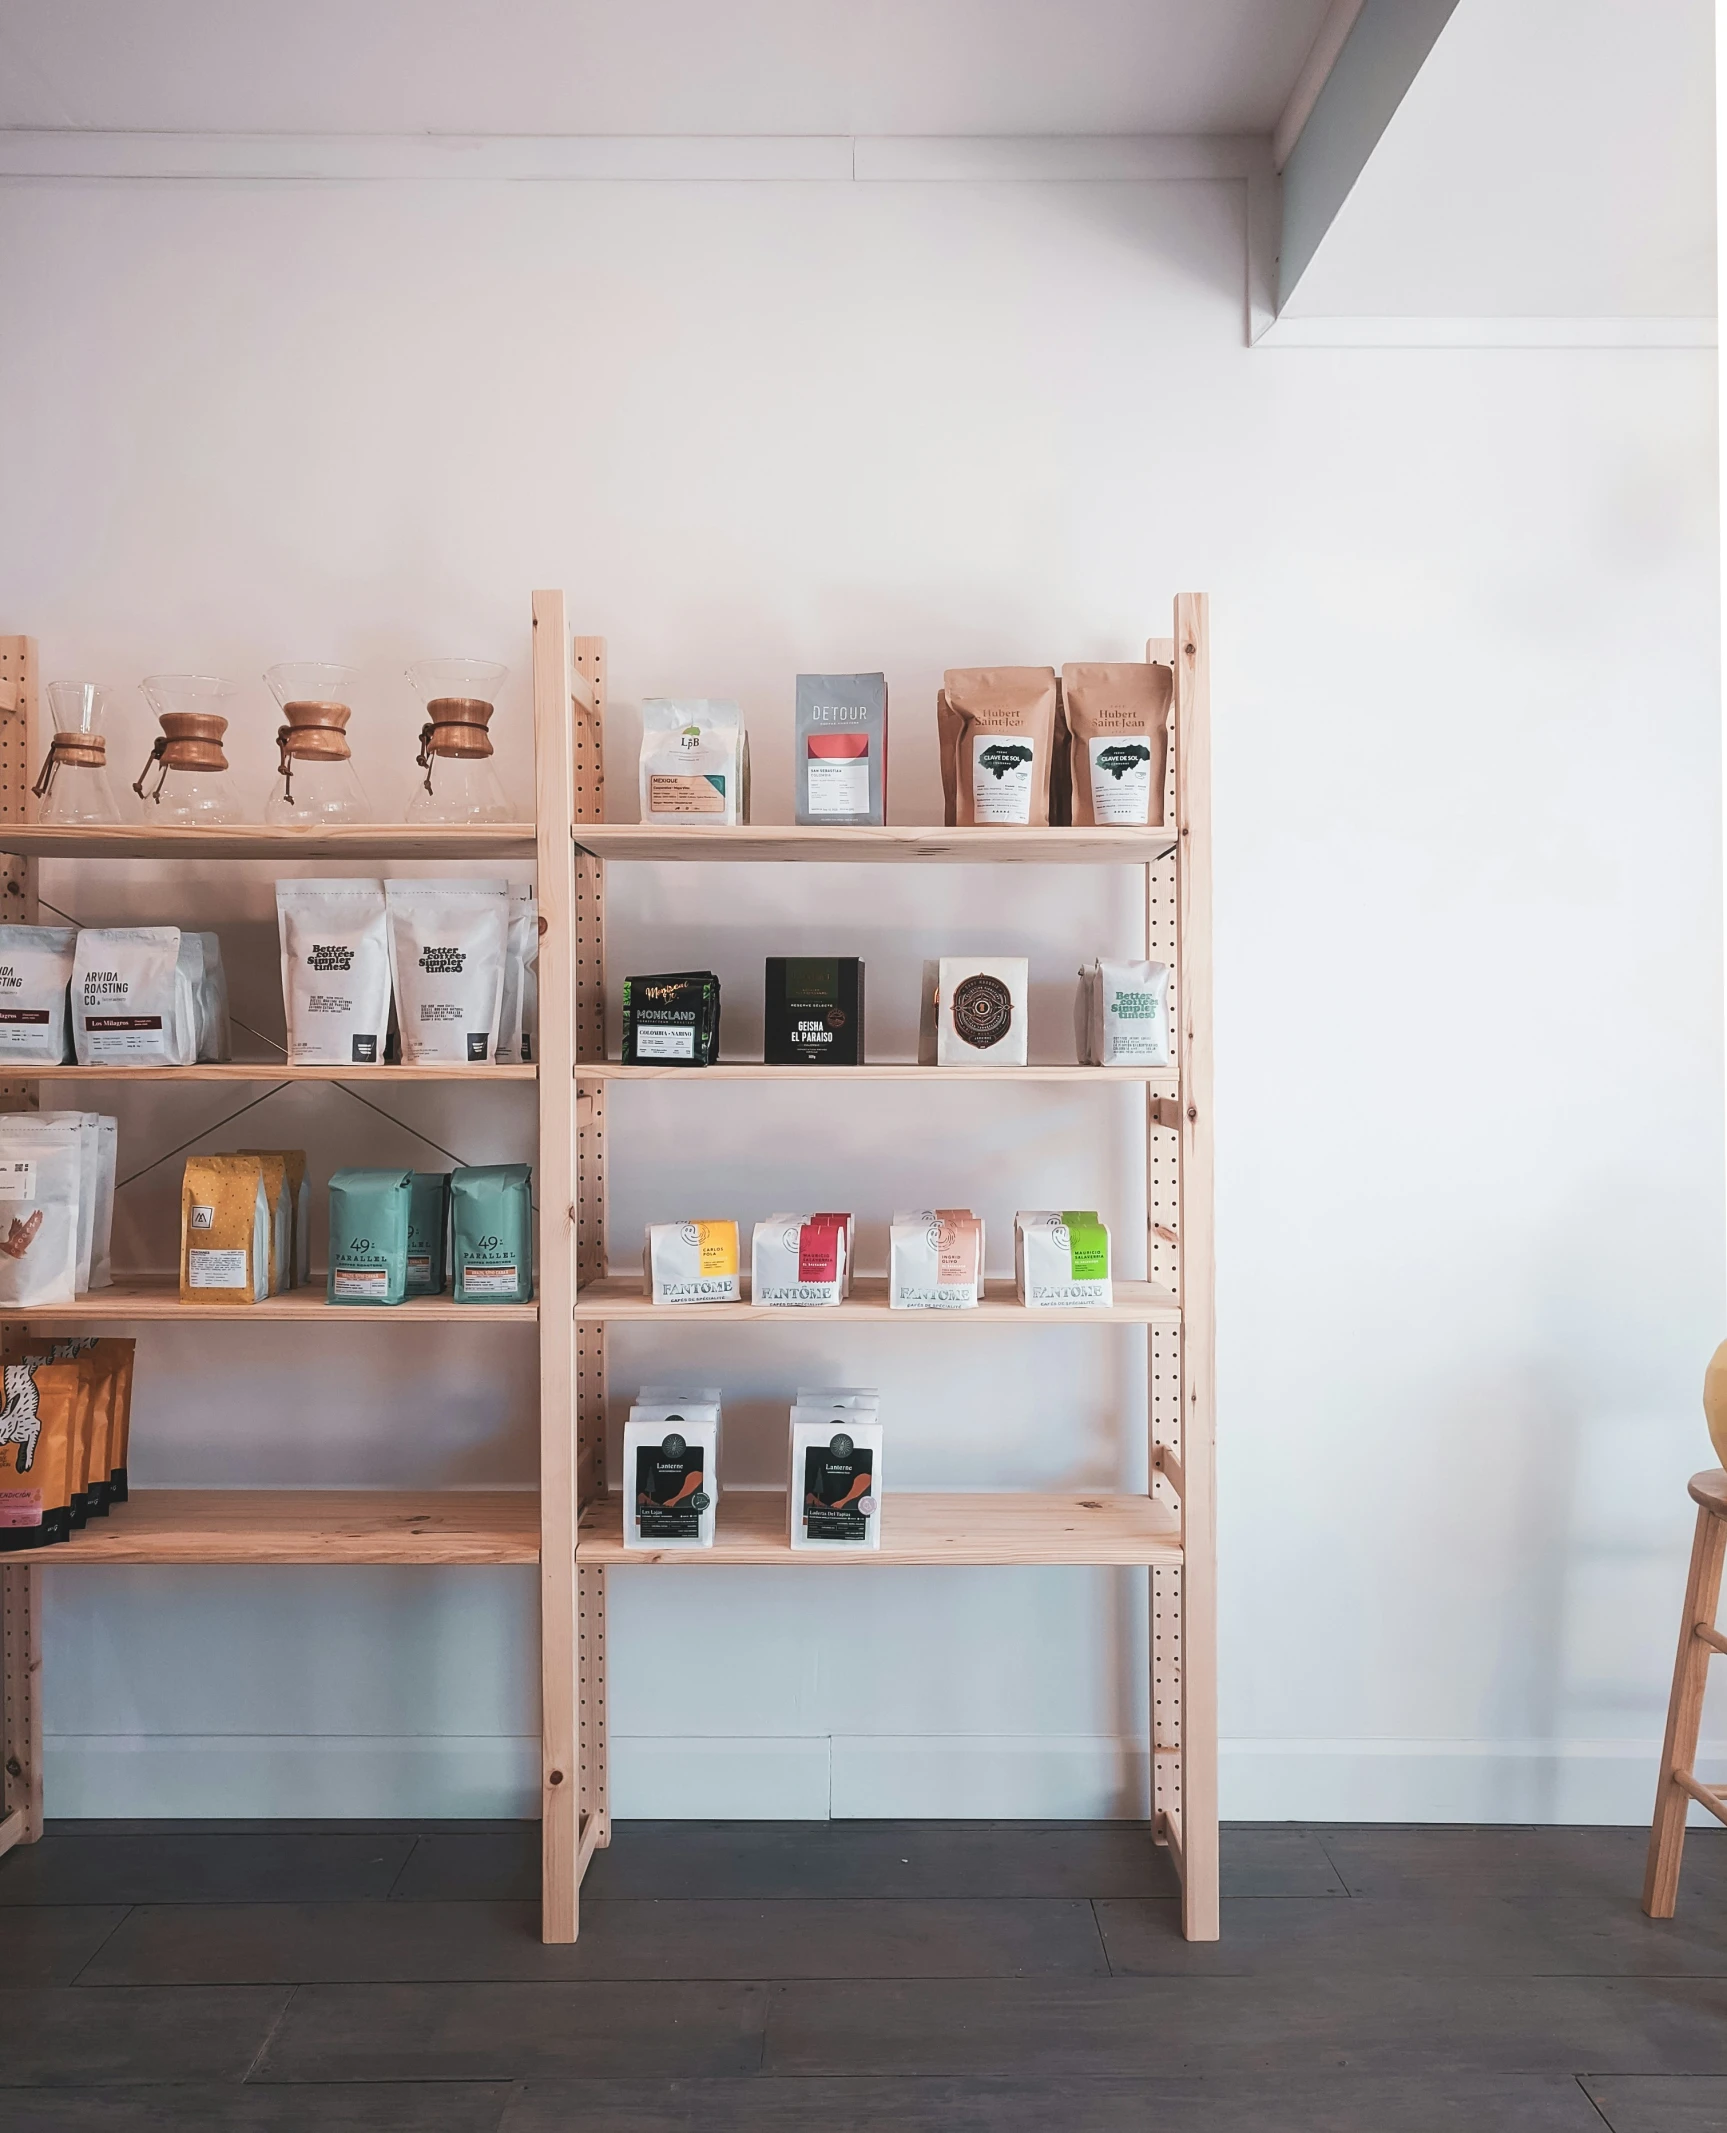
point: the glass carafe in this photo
(73, 787)
(316, 781)
(193, 787)
(460, 784)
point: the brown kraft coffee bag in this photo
(999, 729)
(1118, 730)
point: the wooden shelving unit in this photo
(1171, 1529)
(572, 1529)
(299, 1526)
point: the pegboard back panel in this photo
(19, 724)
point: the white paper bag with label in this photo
(40, 1185)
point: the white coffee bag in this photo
(447, 953)
(692, 1262)
(1061, 1261)
(519, 1013)
(1123, 1014)
(836, 1479)
(695, 762)
(798, 1261)
(335, 971)
(935, 1260)
(40, 1187)
(89, 1129)
(671, 1475)
(132, 1002)
(35, 970)
(217, 1042)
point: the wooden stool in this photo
(1699, 1641)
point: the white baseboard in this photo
(1448, 1781)
(1072, 1777)
(1081, 1777)
(303, 1776)
(744, 1780)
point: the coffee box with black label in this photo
(813, 1011)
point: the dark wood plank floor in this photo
(925, 1977)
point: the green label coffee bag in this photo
(428, 1216)
(492, 1233)
(369, 1236)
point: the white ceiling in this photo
(1551, 158)
(653, 66)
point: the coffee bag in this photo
(935, 1260)
(672, 1019)
(335, 971)
(38, 1444)
(35, 970)
(216, 1038)
(519, 1012)
(798, 1262)
(133, 1001)
(691, 1262)
(279, 1200)
(428, 1219)
(1118, 722)
(841, 741)
(225, 1236)
(695, 764)
(998, 730)
(1061, 1261)
(91, 1141)
(298, 1197)
(41, 1199)
(813, 1011)
(447, 953)
(119, 1358)
(974, 1011)
(1122, 1014)
(492, 1233)
(671, 1475)
(836, 1479)
(369, 1236)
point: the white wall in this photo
(1468, 953)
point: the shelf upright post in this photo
(588, 805)
(20, 1584)
(1197, 1260)
(560, 1810)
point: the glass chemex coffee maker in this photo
(193, 788)
(73, 787)
(316, 781)
(460, 784)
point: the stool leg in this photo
(1684, 1716)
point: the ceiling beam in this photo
(1315, 72)
(1381, 53)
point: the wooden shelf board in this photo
(751, 1529)
(135, 1298)
(849, 847)
(307, 1526)
(253, 1070)
(1164, 1080)
(252, 840)
(618, 1297)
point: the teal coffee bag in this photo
(369, 1212)
(492, 1233)
(428, 1219)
